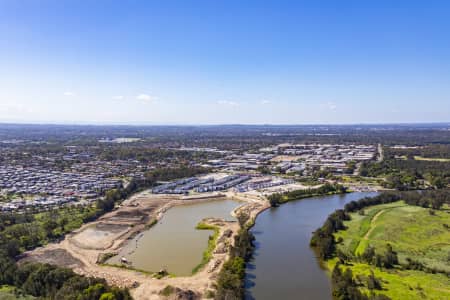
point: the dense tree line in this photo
(429, 151)
(326, 189)
(388, 260)
(345, 286)
(26, 231)
(147, 154)
(386, 197)
(408, 173)
(230, 282)
(429, 198)
(434, 199)
(323, 239)
(164, 174)
(51, 282)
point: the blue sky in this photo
(215, 62)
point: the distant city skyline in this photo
(224, 62)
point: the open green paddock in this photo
(414, 232)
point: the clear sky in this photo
(215, 62)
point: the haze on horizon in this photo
(219, 62)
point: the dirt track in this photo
(372, 223)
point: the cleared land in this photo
(358, 183)
(282, 158)
(83, 249)
(414, 233)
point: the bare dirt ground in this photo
(283, 158)
(100, 236)
(56, 256)
(82, 249)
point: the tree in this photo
(243, 218)
(12, 247)
(229, 283)
(275, 199)
(8, 270)
(368, 255)
(49, 225)
(108, 296)
(344, 287)
(373, 283)
(438, 182)
(94, 292)
(62, 223)
(264, 170)
(378, 260)
(390, 257)
(341, 256)
(436, 203)
(105, 205)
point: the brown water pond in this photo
(174, 243)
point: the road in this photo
(380, 153)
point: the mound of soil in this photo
(58, 257)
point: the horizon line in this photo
(49, 123)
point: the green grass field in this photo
(431, 159)
(413, 232)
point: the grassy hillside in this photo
(417, 233)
